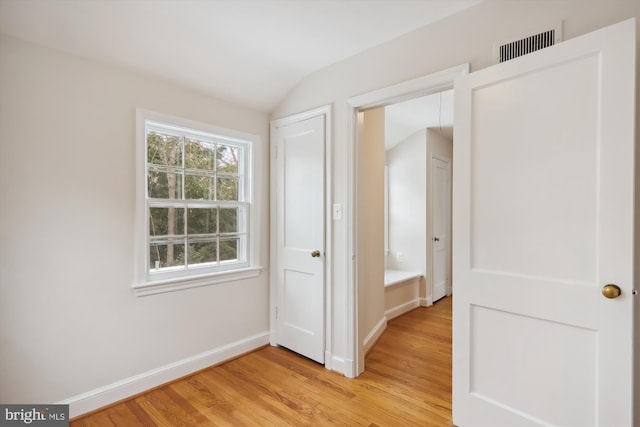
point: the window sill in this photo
(180, 283)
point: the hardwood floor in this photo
(407, 382)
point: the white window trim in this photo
(147, 283)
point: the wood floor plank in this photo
(141, 415)
(407, 382)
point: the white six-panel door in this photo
(543, 220)
(300, 237)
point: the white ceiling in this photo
(406, 118)
(250, 52)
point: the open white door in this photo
(300, 238)
(543, 221)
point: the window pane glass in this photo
(227, 188)
(163, 185)
(202, 252)
(195, 200)
(166, 255)
(202, 220)
(229, 249)
(199, 188)
(166, 221)
(199, 155)
(229, 220)
(164, 150)
(227, 160)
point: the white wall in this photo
(407, 163)
(69, 322)
(409, 171)
(467, 37)
(370, 244)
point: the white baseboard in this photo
(375, 333)
(103, 396)
(328, 360)
(426, 302)
(339, 364)
(402, 308)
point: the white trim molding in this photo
(338, 364)
(111, 393)
(174, 284)
(374, 334)
(426, 302)
(167, 280)
(401, 309)
(421, 86)
(330, 362)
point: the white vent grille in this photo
(526, 45)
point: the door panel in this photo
(300, 232)
(543, 219)
(440, 190)
(552, 149)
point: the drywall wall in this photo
(409, 170)
(407, 163)
(69, 321)
(370, 245)
(467, 37)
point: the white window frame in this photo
(167, 280)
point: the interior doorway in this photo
(361, 319)
(418, 159)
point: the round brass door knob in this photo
(315, 254)
(611, 291)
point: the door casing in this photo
(422, 86)
(328, 256)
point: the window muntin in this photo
(196, 200)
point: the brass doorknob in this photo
(315, 254)
(611, 291)
(436, 239)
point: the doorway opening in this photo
(418, 162)
(367, 286)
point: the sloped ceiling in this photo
(249, 52)
(406, 118)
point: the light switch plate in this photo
(337, 211)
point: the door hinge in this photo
(276, 313)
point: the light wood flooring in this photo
(407, 382)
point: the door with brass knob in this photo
(298, 177)
(544, 238)
(611, 291)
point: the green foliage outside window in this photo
(182, 171)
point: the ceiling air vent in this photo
(511, 50)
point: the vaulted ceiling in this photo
(249, 52)
(406, 118)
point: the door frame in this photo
(421, 86)
(325, 111)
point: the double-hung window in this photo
(195, 210)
